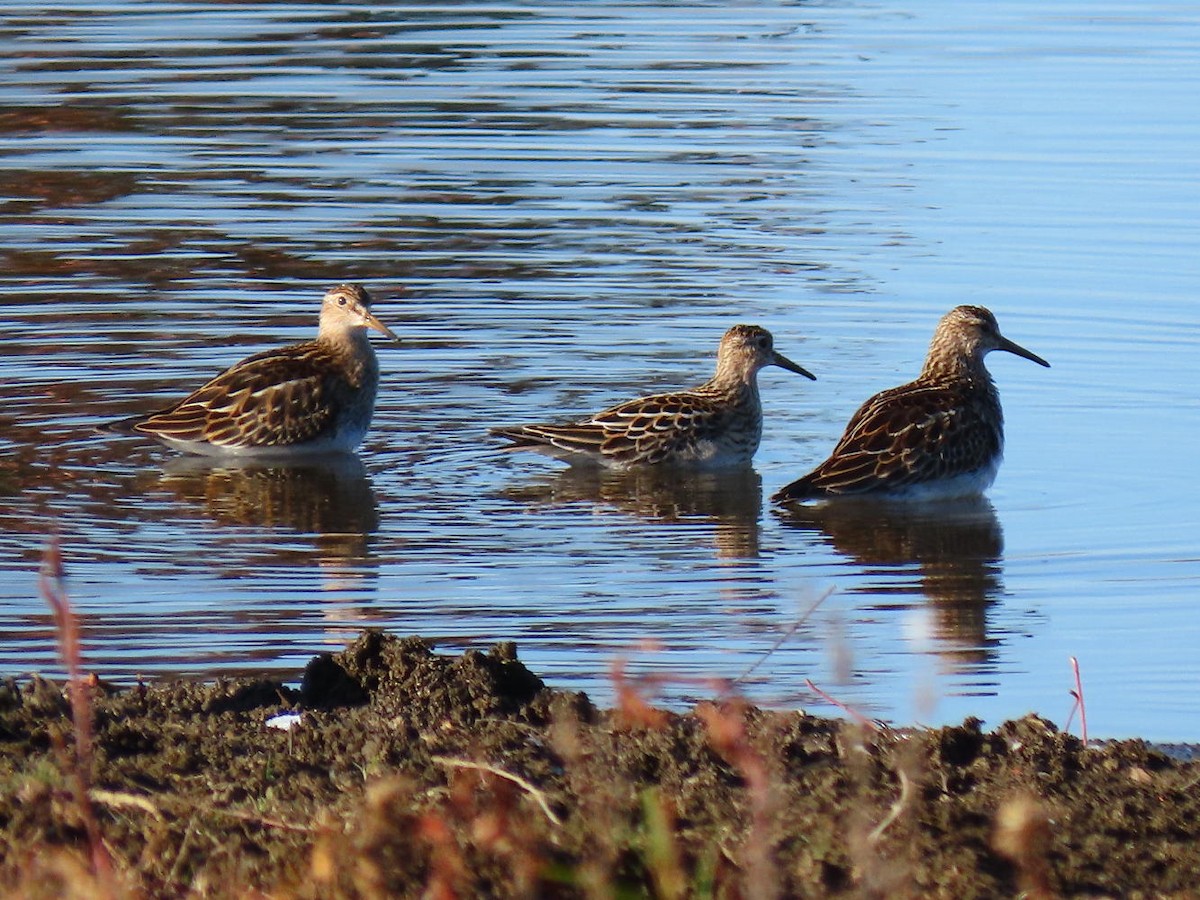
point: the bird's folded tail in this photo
(120, 426)
(579, 438)
(799, 490)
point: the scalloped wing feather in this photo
(647, 430)
(276, 398)
(903, 437)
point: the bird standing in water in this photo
(308, 398)
(717, 424)
(938, 437)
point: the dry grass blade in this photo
(895, 812)
(122, 800)
(783, 638)
(520, 782)
(256, 819)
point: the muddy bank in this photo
(416, 774)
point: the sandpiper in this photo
(938, 437)
(718, 424)
(307, 398)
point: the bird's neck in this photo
(731, 385)
(945, 364)
(352, 348)
(347, 340)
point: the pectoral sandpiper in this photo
(307, 398)
(938, 437)
(715, 425)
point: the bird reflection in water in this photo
(954, 548)
(328, 498)
(731, 501)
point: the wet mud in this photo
(416, 774)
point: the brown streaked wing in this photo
(909, 435)
(647, 429)
(272, 398)
(650, 429)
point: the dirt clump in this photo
(412, 774)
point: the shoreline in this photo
(411, 773)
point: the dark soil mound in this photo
(413, 774)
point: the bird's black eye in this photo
(341, 301)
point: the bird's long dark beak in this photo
(373, 322)
(1006, 344)
(778, 359)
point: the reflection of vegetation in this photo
(27, 190)
(253, 133)
(9, 485)
(65, 117)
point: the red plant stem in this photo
(50, 581)
(848, 710)
(1079, 700)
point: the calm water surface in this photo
(562, 206)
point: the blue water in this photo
(562, 207)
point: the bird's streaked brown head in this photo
(349, 306)
(965, 335)
(747, 348)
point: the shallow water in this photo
(564, 206)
